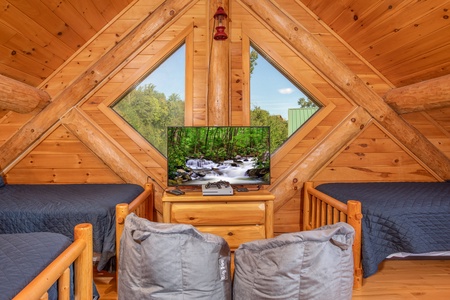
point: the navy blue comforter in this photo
(23, 256)
(409, 217)
(58, 208)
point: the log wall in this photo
(342, 142)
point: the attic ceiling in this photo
(38, 36)
(407, 41)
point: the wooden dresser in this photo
(242, 217)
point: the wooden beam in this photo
(425, 95)
(319, 157)
(85, 82)
(218, 75)
(339, 74)
(109, 151)
(20, 97)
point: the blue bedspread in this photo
(58, 208)
(409, 217)
(23, 256)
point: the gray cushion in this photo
(2, 182)
(172, 261)
(310, 265)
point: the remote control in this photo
(175, 192)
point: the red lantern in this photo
(220, 15)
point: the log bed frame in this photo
(79, 253)
(320, 209)
(142, 206)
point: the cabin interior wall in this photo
(374, 155)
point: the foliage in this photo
(306, 103)
(149, 113)
(216, 144)
(253, 57)
(278, 126)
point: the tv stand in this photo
(238, 218)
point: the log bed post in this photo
(354, 217)
(83, 264)
(80, 253)
(122, 211)
(320, 209)
(142, 206)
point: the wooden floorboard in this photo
(396, 279)
(408, 279)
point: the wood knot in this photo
(120, 220)
(230, 233)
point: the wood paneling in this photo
(61, 158)
(40, 35)
(407, 41)
(330, 147)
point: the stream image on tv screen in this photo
(199, 155)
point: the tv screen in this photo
(199, 155)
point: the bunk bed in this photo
(59, 207)
(388, 218)
(47, 265)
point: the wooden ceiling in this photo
(407, 41)
(38, 36)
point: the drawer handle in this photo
(191, 218)
(230, 233)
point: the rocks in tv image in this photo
(239, 155)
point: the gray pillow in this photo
(2, 182)
(172, 261)
(310, 265)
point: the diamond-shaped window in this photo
(276, 100)
(157, 101)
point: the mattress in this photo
(58, 208)
(412, 217)
(23, 256)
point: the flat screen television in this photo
(197, 155)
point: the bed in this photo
(408, 217)
(59, 207)
(40, 263)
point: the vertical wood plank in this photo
(218, 76)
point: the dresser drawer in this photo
(218, 213)
(236, 235)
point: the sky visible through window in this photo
(159, 100)
(169, 77)
(271, 90)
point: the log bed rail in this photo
(320, 209)
(79, 253)
(142, 206)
